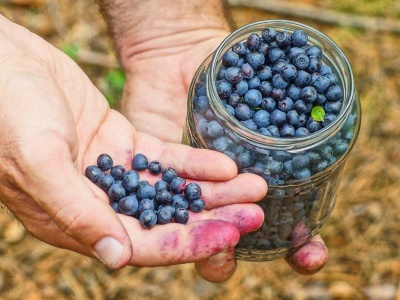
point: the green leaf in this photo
(317, 113)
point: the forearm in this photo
(140, 26)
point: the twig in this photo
(321, 15)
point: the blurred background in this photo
(363, 233)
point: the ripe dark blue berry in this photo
(155, 167)
(139, 162)
(145, 204)
(93, 173)
(181, 215)
(192, 191)
(268, 35)
(169, 174)
(128, 205)
(165, 213)
(197, 205)
(179, 200)
(163, 197)
(118, 172)
(177, 185)
(105, 181)
(116, 191)
(104, 162)
(148, 219)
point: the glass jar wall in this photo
(302, 172)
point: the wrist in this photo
(141, 29)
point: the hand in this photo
(55, 123)
(155, 99)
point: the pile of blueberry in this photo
(278, 85)
(169, 200)
(275, 83)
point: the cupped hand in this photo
(159, 73)
(54, 123)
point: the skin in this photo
(160, 50)
(55, 123)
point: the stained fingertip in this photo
(218, 268)
(309, 259)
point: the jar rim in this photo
(286, 143)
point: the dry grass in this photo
(363, 234)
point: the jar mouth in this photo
(332, 55)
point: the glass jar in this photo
(298, 201)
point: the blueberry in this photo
(300, 161)
(325, 70)
(293, 92)
(334, 93)
(339, 147)
(292, 118)
(287, 169)
(288, 72)
(163, 197)
(118, 172)
(254, 83)
(105, 181)
(300, 106)
(214, 129)
(264, 73)
(277, 66)
(320, 166)
(233, 74)
(299, 38)
(240, 88)
(268, 104)
(114, 206)
(328, 119)
(146, 191)
(243, 112)
(148, 219)
(287, 130)
(278, 82)
(308, 94)
(201, 104)
(301, 61)
(263, 48)
(268, 35)
(326, 151)
(197, 205)
(139, 162)
(262, 118)
(247, 71)
(314, 64)
(274, 166)
(221, 143)
(332, 77)
(245, 159)
(116, 191)
(321, 99)
(286, 104)
(239, 48)
(230, 59)
(154, 167)
(234, 99)
(250, 124)
(312, 125)
(192, 191)
(169, 174)
(253, 41)
(130, 182)
(255, 59)
(314, 51)
(93, 173)
(104, 162)
(333, 106)
(321, 84)
(293, 51)
(278, 117)
(277, 93)
(177, 185)
(165, 213)
(265, 88)
(301, 132)
(181, 215)
(128, 205)
(302, 79)
(275, 53)
(302, 174)
(283, 39)
(273, 130)
(145, 204)
(179, 201)
(161, 185)
(224, 88)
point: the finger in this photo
(310, 258)
(244, 188)
(81, 213)
(200, 164)
(218, 268)
(206, 234)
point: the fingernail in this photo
(218, 260)
(109, 251)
